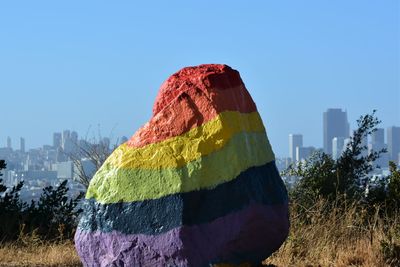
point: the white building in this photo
(337, 147)
(295, 140)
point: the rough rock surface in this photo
(196, 185)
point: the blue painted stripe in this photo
(256, 185)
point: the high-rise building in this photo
(73, 145)
(383, 159)
(302, 153)
(364, 145)
(295, 140)
(68, 145)
(335, 124)
(378, 137)
(376, 145)
(74, 137)
(22, 144)
(66, 136)
(337, 147)
(9, 146)
(393, 143)
(57, 140)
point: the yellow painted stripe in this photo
(198, 142)
(244, 150)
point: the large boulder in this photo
(195, 186)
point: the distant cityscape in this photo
(51, 164)
(336, 135)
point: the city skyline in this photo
(69, 156)
(81, 64)
(337, 134)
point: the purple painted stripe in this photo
(249, 235)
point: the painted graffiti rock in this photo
(197, 185)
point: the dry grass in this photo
(340, 238)
(39, 254)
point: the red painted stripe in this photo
(205, 77)
(187, 102)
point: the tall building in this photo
(22, 144)
(9, 146)
(295, 140)
(74, 137)
(57, 140)
(66, 136)
(73, 145)
(68, 144)
(364, 144)
(377, 144)
(337, 147)
(378, 137)
(302, 153)
(393, 143)
(335, 124)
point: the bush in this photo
(353, 205)
(394, 187)
(344, 179)
(53, 216)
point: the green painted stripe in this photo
(244, 150)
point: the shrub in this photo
(54, 215)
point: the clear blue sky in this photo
(75, 64)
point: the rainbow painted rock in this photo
(195, 186)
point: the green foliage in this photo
(344, 179)
(353, 166)
(318, 177)
(53, 210)
(10, 212)
(2, 167)
(10, 208)
(394, 186)
(386, 193)
(54, 215)
(347, 182)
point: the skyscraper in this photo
(378, 137)
(22, 144)
(302, 153)
(66, 135)
(57, 140)
(74, 143)
(295, 140)
(337, 147)
(74, 137)
(376, 145)
(68, 145)
(335, 124)
(9, 142)
(393, 143)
